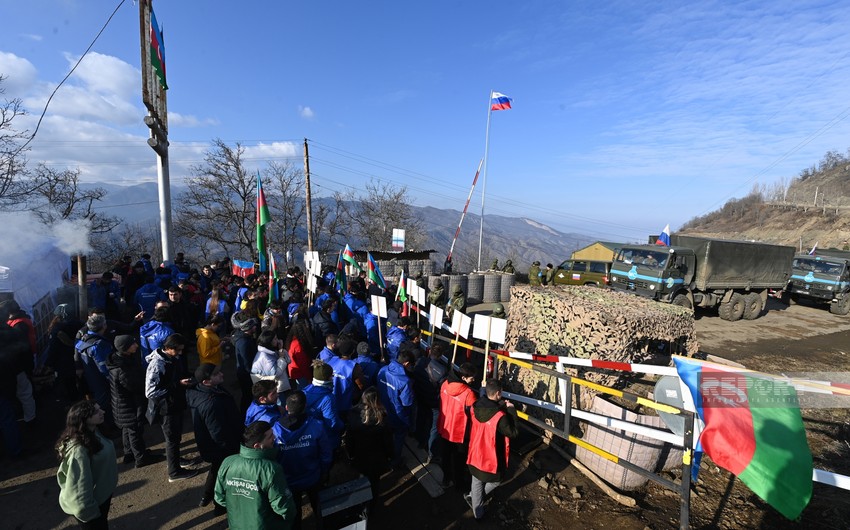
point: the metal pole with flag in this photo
(263, 219)
(498, 101)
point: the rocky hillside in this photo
(814, 208)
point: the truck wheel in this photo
(752, 306)
(733, 309)
(682, 301)
(841, 307)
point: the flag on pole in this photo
(753, 429)
(374, 273)
(242, 268)
(348, 256)
(401, 293)
(814, 248)
(263, 219)
(341, 279)
(664, 236)
(158, 51)
(273, 292)
(499, 101)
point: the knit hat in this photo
(95, 322)
(123, 342)
(363, 348)
(322, 371)
(204, 372)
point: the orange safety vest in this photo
(482, 444)
(451, 420)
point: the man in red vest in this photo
(456, 400)
(493, 425)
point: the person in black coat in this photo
(369, 440)
(127, 388)
(216, 421)
(323, 325)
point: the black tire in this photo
(733, 309)
(592, 284)
(752, 306)
(841, 307)
(682, 300)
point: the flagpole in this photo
(484, 176)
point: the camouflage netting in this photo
(590, 323)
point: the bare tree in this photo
(287, 206)
(330, 222)
(382, 208)
(219, 208)
(128, 239)
(14, 185)
(56, 195)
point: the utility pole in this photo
(309, 205)
(153, 96)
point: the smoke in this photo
(26, 239)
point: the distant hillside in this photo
(519, 239)
(813, 208)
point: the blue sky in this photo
(627, 115)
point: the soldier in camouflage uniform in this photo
(509, 267)
(495, 265)
(437, 297)
(457, 303)
(534, 274)
(498, 311)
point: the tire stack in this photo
(475, 294)
(492, 288)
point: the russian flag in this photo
(664, 237)
(814, 249)
(499, 101)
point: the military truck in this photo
(733, 276)
(823, 277)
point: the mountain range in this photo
(519, 239)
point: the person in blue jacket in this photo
(348, 379)
(368, 364)
(264, 407)
(147, 296)
(306, 453)
(92, 352)
(396, 392)
(396, 336)
(154, 332)
(329, 351)
(106, 294)
(320, 401)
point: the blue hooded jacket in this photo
(396, 393)
(395, 337)
(322, 406)
(262, 412)
(343, 383)
(306, 452)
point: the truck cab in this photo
(821, 278)
(652, 271)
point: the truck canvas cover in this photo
(725, 264)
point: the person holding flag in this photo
(263, 218)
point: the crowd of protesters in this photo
(320, 379)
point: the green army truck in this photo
(823, 277)
(733, 276)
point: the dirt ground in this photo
(544, 491)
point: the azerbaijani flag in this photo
(664, 236)
(273, 293)
(158, 51)
(499, 101)
(401, 293)
(374, 273)
(348, 256)
(340, 277)
(242, 268)
(263, 219)
(753, 429)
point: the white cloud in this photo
(306, 112)
(19, 74)
(32, 37)
(176, 119)
(272, 150)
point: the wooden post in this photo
(81, 285)
(309, 201)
